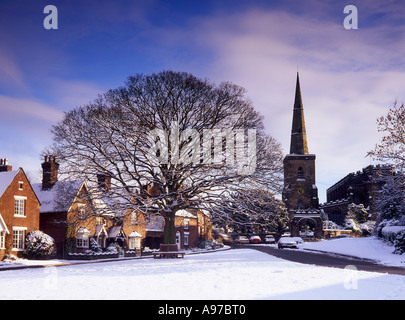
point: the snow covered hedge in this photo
(390, 233)
(39, 245)
(396, 235)
(91, 255)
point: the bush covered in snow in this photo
(399, 242)
(207, 244)
(114, 248)
(94, 246)
(356, 220)
(391, 208)
(39, 245)
(358, 212)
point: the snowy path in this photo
(235, 274)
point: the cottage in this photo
(67, 213)
(19, 209)
(73, 214)
(190, 227)
(127, 229)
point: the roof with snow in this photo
(59, 198)
(5, 180)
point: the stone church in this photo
(300, 193)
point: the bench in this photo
(168, 254)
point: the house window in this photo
(20, 185)
(19, 238)
(82, 239)
(186, 238)
(100, 221)
(134, 217)
(186, 223)
(81, 211)
(2, 240)
(19, 206)
(134, 241)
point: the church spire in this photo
(299, 144)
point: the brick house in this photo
(19, 209)
(128, 230)
(191, 226)
(67, 213)
(72, 215)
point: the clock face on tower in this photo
(300, 191)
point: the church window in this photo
(300, 205)
(300, 174)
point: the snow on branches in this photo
(112, 136)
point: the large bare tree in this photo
(166, 142)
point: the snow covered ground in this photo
(235, 274)
(367, 248)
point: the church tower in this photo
(300, 193)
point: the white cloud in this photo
(69, 94)
(19, 111)
(10, 73)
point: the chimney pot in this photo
(49, 172)
(4, 166)
(104, 181)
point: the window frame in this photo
(19, 234)
(20, 206)
(186, 238)
(82, 238)
(2, 240)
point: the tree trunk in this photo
(169, 236)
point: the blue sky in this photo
(348, 77)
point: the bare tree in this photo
(166, 142)
(250, 210)
(392, 146)
(390, 202)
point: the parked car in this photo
(341, 236)
(299, 240)
(270, 239)
(255, 239)
(241, 240)
(287, 242)
(226, 238)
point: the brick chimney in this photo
(104, 181)
(50, 169)
(153, 190)
(4, 166)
